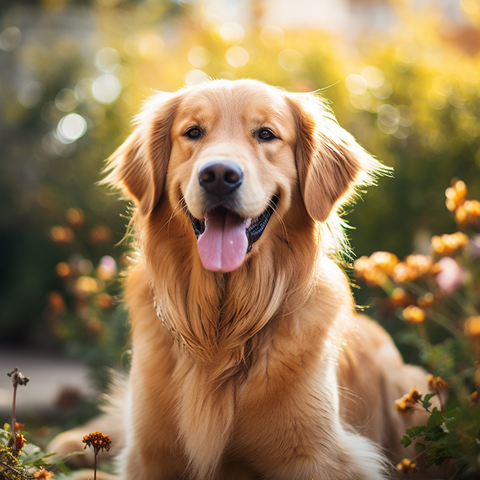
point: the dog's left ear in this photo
(330, 163)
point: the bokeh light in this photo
(232, 32)
(71, 128)
(30, 94)
(289, 59)
(195, 77)
(107, 59)
(106, 88)
(237, 56)
(199, 56)
(66, 100)
(272, 36)
(10, 39)
(356, 84)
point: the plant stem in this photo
(13, 469)
(14, 437)
(421, 453)
(95, 467)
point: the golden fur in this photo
(265, 372)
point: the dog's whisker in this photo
(173, 214)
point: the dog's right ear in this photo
(139, 166)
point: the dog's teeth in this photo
(248, 222)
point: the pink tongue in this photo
(224, 243)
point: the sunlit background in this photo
(403, 76)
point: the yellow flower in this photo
(414, 314)
(20, 441)
(449, 244)
(413, 395)
(402, 405)
(468, 213)
(98, 441)
(408, 401)
(437, 383)
(406, 466)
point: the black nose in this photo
(220, 178)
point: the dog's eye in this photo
(265, 134)
(194, 133)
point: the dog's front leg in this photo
(291, 427)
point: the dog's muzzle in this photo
(232, 237)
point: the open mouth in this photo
(225, 238)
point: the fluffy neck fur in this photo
(215, 317)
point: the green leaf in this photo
(435, 419)
(31, 453)
(425, 402)
(63, 468)
(58, 460)
(415, 432)
(428, 464)
(420, 447)
(405, 441)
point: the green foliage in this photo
(31, 458)
(411, 98)
(435, 297)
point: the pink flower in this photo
(450, 275)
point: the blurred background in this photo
(402, 75)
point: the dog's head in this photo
(233, 155)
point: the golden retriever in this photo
(249, 361)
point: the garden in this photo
(73, 74)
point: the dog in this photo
(249, 360)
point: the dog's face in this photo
(232, 154)
(233, 163)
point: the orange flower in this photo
(437, 383)
(43, 474)
(402, 405)
(403, 273)
(421, 264)
(62, 234)
(401, 298)
(75, 216)
(426, 301)
(64, 269)
(19, 426)
(56, 302)
(456, 195)
(408, 401)
(413, 395)
(98, 441)
(449, 244)
(385, 261)
(475, 398)
(468, 213)
(406, 466)
(472, 328)
(414, 314)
